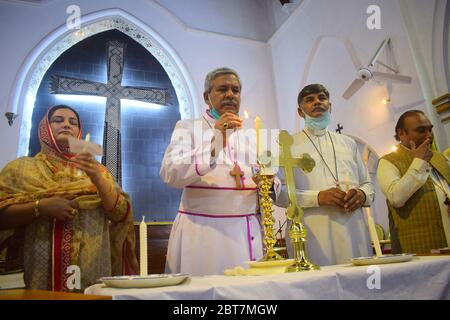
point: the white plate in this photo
(389, 258)
(150, 281)
(269, 264)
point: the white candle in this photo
(87, 138)
(143, 247)
(373, 232)
(347, 182)
(258, 127)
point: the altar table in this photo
(424, 277)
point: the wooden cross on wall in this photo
(113, 91)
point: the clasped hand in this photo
(335, 197)
(59, 208)
(228, 120)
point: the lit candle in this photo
(258, 127)
(373, 232)
(143, 247)
(87, 138)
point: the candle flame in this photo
(394, 148)
(88, 137)
(245, 114)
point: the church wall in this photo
(324, 24)
(247, 19)
(427, 24)
(364, 115)
(200, 52)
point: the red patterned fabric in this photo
(48, 142)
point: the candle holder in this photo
(297, 231)
(265, 203)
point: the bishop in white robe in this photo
(217, 226)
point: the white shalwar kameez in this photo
(217, 226)
(333, 236)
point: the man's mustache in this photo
(224, 102)
(319, 107)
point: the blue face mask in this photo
(214, 112)
(318, 123)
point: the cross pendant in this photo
(237, 173)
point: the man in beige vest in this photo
(415, 181)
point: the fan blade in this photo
(391, 77)
(355, 86)
(352, 53)
(378, 52)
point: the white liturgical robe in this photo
(333, 236)
(217, 226)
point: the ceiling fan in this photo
(364, 74)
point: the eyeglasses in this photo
(60, 119)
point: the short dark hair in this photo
(63, 106)
(401, 121)
(310, 89)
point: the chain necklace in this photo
(336, 178)
(440, 186)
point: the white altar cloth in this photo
(421, 278)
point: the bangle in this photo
(36, 208)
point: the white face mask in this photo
(318, 123)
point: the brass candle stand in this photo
(265, 202)
(297, 231)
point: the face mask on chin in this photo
(318, 123)
(213, 111)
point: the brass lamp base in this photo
(297, 232)
(302, 266)
(271, 256)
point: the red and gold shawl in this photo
(50, 173)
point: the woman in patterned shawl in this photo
(73, 222)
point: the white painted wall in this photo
(277, 13)
(424, 22)
(324, 24)
(363, 115)
(247, 19)
(23, 26)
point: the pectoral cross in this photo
(237, 173)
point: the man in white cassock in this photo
(336, 229)
(217, 226)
